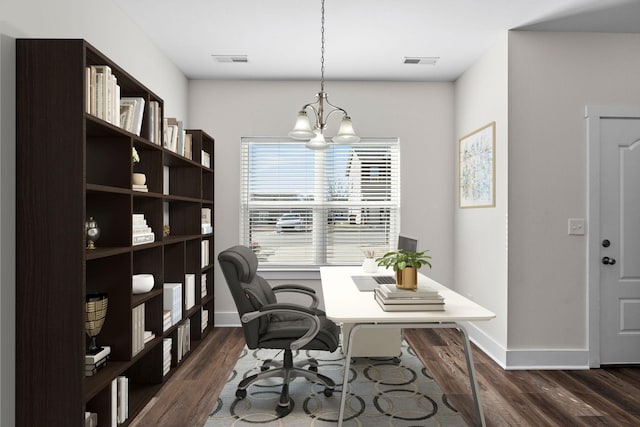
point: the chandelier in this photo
(315, 137)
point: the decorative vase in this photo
(369, 265)
(139, 179)
(407, 278)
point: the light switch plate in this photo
(576, 226)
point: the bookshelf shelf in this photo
(90, 160)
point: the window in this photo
(304, 208)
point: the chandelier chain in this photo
(322, 48)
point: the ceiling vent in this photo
(422, 60)
(231, 58)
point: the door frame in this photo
(593, 115)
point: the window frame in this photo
(320, 203)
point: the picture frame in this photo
(477, 167)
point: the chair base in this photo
(288, 371)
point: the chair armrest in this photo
(300, 289)
(290, 309)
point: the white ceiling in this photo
(365, 39)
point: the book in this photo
(190, 290)
(188, 146)
(114, 402)
(391, 291)
(142, 238)
(409, 307)
(138, 187)
(90, 419)
(94, 358)
(131, 113)
(417, 300)
(409, 299)
(122, 399)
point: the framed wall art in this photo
(477, 167)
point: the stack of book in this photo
(166, 320)
(189, 290)
(102, 94)
(204, 262)
(173, 301)
(166, 356)
(119, 400)
(206, 221)
(140, 187)
(424, 298)
(184, 339)
(155, 125)
(205, 319)
(90, 419)
(131, 112)
(174, 135)
(137, 333)
(203, 286)
(142, 233)
(94, 362)
(206, 159)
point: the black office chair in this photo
(273, 325)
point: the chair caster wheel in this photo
(241, 394)
(313, 368)
(283, 411)
(328, 392)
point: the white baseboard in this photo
(532, 359)
(506, 359)
(227, 319)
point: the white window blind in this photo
(303, 208)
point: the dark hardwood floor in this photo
(597, 397)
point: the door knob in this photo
(608, 261)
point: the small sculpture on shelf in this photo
(92, 231)
(94, 315)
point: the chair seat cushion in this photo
(281, 333)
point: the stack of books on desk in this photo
(94, 362)
(391, 298)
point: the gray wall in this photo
(517, 258)
(110, 31)
(420, 114)
(480, 234)
(552, 77)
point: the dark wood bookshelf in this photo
(72, 165)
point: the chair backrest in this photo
(249, 290)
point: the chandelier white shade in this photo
(315, 135)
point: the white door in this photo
(619, 240)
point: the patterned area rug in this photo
(381, 391)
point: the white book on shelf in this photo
(190, 290)
(114, 402)
(142, 238)
(95, 358)
(172, 300)
(122, 398)
(132, 110)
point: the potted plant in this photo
(406, 265)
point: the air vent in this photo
(231, 58)
(422, 60)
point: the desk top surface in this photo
(345, 303)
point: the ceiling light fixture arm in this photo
(302, 129)
(319, 109)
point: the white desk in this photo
(344, 303)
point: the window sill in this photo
(290, 274)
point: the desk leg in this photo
(472, 373)
(467, 353)
(345, 380)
